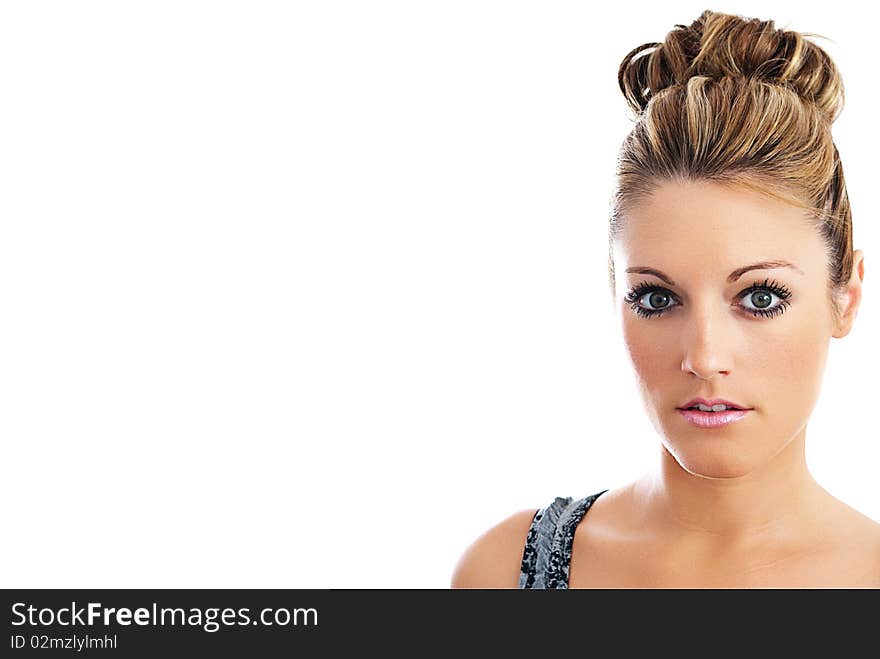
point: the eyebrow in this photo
(732, 277)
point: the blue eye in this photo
(759, 295)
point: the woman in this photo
(732, 228)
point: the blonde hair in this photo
(734, 101)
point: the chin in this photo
(718, 460)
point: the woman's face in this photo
(707, 342)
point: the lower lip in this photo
(713, 419)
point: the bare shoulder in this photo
(494, 558)
(857, 538)
(871, 540)
(867, 537)
(858, 528)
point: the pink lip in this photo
(713, 419)
(714, 401)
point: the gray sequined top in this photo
(547, 554)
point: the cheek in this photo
(654, 354)
(649, 344)
(792, 366)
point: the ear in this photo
(851, 297)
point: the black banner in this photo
(135, 623)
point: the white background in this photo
(309, 294)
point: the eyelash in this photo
(772, 286)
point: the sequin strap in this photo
(547, 552)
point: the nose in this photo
(706, 352)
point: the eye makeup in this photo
(783, 294)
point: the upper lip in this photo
(713, 401)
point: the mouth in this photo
(712, 406)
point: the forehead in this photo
(685, 225)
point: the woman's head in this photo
(731, 163)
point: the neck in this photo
(780, 501)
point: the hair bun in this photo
(721, 46)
